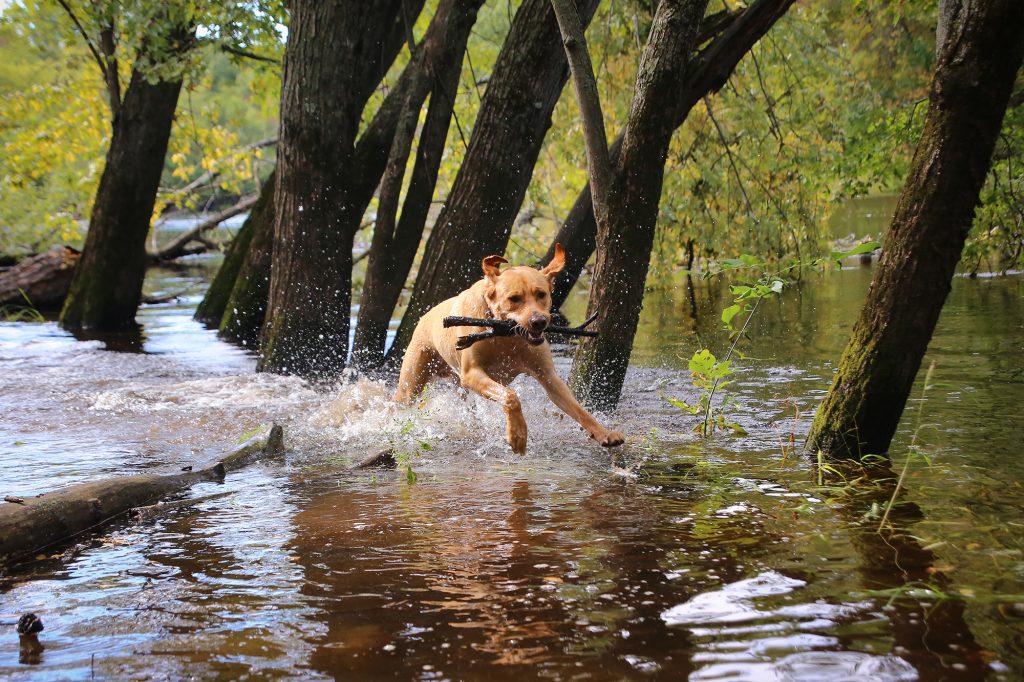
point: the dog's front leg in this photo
(561, 396)
(478, 381)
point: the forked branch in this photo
(507, 328)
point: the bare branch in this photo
(239, 52)
(85, 36)
(176, 247)
(584, 82)
(109, 47)
(209, 176)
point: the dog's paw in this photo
(612, 439)
(518, 444)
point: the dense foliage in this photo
(827, 107)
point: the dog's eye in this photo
(541, 295)
(515, 299)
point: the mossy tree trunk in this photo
(107, 287)
(215, 304)
(514, 116)
(396, 239)
(974, 75)
(332, 59)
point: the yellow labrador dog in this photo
(522, 294)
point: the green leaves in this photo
(730, 313)
(867, 247)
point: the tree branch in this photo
(176, 247)
(584, 82)
(208, 176)
(713, 65)
(239, 52)
(110, 75)
(85, 36)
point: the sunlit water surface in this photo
(733, 557)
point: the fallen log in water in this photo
(40, 281)
(35, 524)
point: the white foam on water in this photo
(732, 603)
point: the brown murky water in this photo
(727, 558)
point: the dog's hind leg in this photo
(477, 380)
(420, 364)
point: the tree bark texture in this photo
(626, 238)
(973, 80)
(733, 38)
(237, 300)
(40, 281)
(514, 116)
(107, 287)
(396, 240)
(211, 309)
(331, 47)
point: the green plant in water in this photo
(913, 450)
(708, 372)
(21, 313)
(406, 453)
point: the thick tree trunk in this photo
(331, 46)
(626, 238)
(40, 281)
(732, 36)
(107, 286)
(237, 299)
(211, 310)
(974, 76)
(514, 116)
(395, 242)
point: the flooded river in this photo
(727, 558)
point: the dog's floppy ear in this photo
(491, 264)
(557, 263)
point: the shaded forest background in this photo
(827, 107)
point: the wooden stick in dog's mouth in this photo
(510, 328)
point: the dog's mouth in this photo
(534, 338)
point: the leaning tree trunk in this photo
(246, 307)
(514, 116)
(107, 286)
(396, 240)
(331, 46)
(237, 299)
(212, 309)
(625, 239)
(732, 37)
(974, 76)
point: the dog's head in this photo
(522, 293)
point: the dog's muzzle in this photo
(535, 332)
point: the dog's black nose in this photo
(538, 323)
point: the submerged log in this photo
(40, 281)
(32, 525)
(384, 459)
